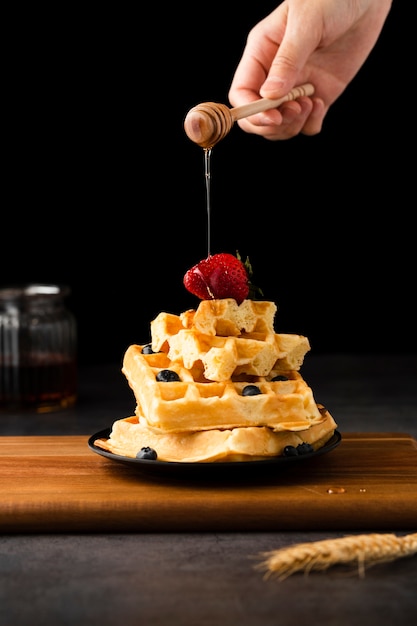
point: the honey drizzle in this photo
(207, 174)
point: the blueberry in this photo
(305, 448)
(251, 390)
(167, 376)
(278, 378)
(147, 453)
(290, 451)
(147, 349)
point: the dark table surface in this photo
(208, 578)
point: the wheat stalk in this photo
(365, 550)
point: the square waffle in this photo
(190, 386)
(196, 403)
(250, 347)
(253, 443)
(225, 317)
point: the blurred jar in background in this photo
(38, 349)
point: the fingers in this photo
(272, 63)
(259, 52)
(301, 38)
(314, 122)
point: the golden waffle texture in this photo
(195, 403)
(252, 443)
(228, 339)
(216, 351)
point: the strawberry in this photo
(219, 276)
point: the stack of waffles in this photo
(219, 384)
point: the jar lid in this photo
(33, 290)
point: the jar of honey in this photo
(38, 349)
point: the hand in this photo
(323, 42)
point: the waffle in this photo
(225, 317)
(195, 403)
(251, 353)
(292, 350)
(253, 443)
(216, 352)
(228, 339)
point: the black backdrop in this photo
(104, 191)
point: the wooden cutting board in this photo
(58, 484)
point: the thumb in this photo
(294, 51)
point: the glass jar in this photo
(38, 349)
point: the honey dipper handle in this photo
(265, 103)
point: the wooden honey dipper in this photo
(209, 122)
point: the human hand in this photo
(323, 42)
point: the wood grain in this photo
(209, 122)
(258, 106)
(57, 484)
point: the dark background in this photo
(105, 192)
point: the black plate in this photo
(210, 468)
